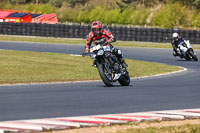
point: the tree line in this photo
(120, 3)
(159, 13)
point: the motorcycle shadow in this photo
(115, 86)
(182, 60)
(186, 60)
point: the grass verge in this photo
(171, 129)
(82, 42)
(35, 67)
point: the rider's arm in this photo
(174, 46)
(110, 36)
(89, 39)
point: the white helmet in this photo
(175, 36)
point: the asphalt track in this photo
(175, 91)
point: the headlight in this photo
(100, 52)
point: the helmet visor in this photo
(175, 38)
(96, 31)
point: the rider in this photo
(175, 42)
(100, 35)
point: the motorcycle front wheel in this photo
(105, 75)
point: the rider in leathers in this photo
(175, 42)
(100, 35)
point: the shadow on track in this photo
(114, 86)
(187, 60)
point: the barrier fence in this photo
(80, 31)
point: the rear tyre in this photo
(105, 76)
(195, 58)
(124, 80)
(187, 58)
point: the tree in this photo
(131, 3)
(38, 1)
(197, 4)
(72, 3)
(18, 1)
(57, 3)
(188, 3)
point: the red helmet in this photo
(96, 27)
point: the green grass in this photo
(83, 41)
(34, 67)
(171, 129)
(42, 39)
(142, 44)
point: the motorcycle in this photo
(108, 65)
(186, 51)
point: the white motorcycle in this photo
(186, 51)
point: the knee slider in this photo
(120, 53)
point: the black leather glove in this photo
(84, 54)
(87, 51)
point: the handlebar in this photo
(89, 52)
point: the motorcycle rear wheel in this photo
(195, 58)
(124, 80)
(191, 52)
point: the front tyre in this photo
(105, 76)
(193, 55)
(124, 80)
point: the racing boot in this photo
(119, 55)
(175, 54)
(124, 66)
(122, 61)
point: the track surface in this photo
(176, 91)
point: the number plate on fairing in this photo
(95, 48)
(106, 48)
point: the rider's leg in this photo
(119, 55)
(94, 60)
(183, 50)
